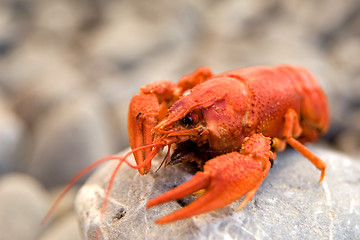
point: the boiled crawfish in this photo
(231, 125)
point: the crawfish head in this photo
(211, 115)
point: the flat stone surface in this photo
(289, 204)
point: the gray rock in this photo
(32, 103)
(65, 226)
(290, 203)
(59, 29)
(68, 139)
(11, 134)
(65, 206)
(63, 220)
(24, 70)
(348, 140)
(23, 203)
(334, 18)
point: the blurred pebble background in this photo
(68, 70)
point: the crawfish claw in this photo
(142, 118)
(225, 179)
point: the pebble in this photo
(12, 131)
(65, 226)
(23, 204)
(68, 139)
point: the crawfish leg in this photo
(225, 179)
(292, 129)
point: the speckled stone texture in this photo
(290, 204)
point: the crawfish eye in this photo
(191, 118)
(187, 120)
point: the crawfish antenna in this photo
(95, 164)
(112, 178)
(72, 182)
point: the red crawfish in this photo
(231, 125)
